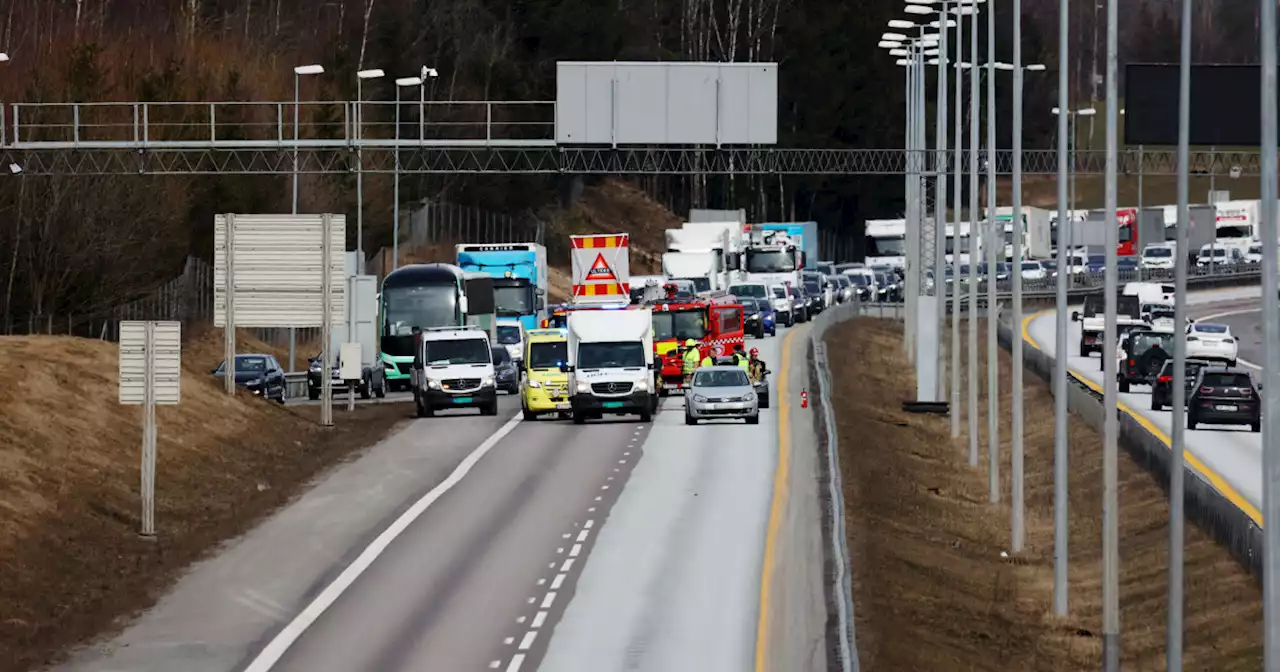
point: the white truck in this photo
(359, 326)
(1037, 234)
(453, 368)
(1093, 319)
(772, 258)
(716, 239)
(610, 364)
(887, 242)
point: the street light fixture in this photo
(901, 24)
(931, 52)
(889, 44)
(903, 62)
(896, 37)
(374, 73)
(899, 52)
(917, 9)
(298, 72)
(395, 199)
(4, 57)
(1035, 67)
(938, 24)
(309, 70)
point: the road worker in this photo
(756, 366)
(740, 359)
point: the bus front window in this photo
(771, 261)
(424, 307)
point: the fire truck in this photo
(713, 319)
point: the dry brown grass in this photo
(71, 561)
(930, 588)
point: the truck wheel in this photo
(579, 418)
(489, 409)
(424, 411)
(646, 416)
(1084, 349)
(365, 389)
(529, 416)
(1124, 386)
(381, 390)
(689, 419)
(764, 401)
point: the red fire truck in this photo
(713, 319)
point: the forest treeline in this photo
(77, 245)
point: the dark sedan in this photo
(1224, 396)
(813, 294)
(260, 374)
(1162, 390)
(760, 317)
(506, 373)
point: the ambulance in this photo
(545, 388)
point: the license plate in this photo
(462, 400)
(1228, 408)
(563, 407)
(612, 404)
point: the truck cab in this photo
(453, 368)
(519, 273)
(545, 388)
(1093, 319)
(610, 367)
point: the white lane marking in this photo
(546, 601)
(560, 550)
(582, 536)
(539, 618)
(573, 552)
(516, 661)
(591, 509)
(626, 452)
(604, 487)
(589, 524)
(557, 582)
(567, 564)
(276, 648)
(565, 535)
(495, 664)
(532, 600)
(508, 640)
(522, 619)
(528, 640)
(598, 498)
(542, 582)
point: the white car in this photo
(1215, 255)
(1254, 255)
(1034, 270)
(782, 305)
(1158, 255)
(1211, 340)
(1159, 316)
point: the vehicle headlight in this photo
(533, 383)
(583, 387)
(750, 396)
(487, 382)
(315, 366)
(642, 386)
(699, 398)
(433, 384)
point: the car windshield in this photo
(549, 355)
(1050, 265)
(721, 378)
(859, 280)
(1157, 252)
(753, 291)
(252, 364)
(1162, 313)
(1030, 266)
(1211, 328)
(779, 292)
(1255, 249)
(1226, 379)
(500, 355)
(1097, 259)
(508, 334)
(1215, 252)
(764, 305)
(1145, 340)
(623, 355)
(812, 288)
(681, 325)
(457, 351)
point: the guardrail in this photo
(297, 382)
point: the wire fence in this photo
(431, 227)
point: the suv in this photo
(1162, 389)
(453, 368)
(1225, 396)
(1142, 355)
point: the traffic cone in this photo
(804, 399)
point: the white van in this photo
(610, 364)
(453, 368)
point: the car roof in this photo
(454, 335)
(721, 367)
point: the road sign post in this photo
(150, 374)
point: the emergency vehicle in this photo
(713, 319)
(558, 316)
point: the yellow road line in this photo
(780, 474)
(1200, 467)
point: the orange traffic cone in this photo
(804, 399)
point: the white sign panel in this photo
(277, 262)
(666, 103)
(167, 374)
(601, 268)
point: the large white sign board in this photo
(166, 352)
(666, 103)
(277, 262)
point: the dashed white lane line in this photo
(495, 664)
(573, 552)
(546, 601)
(539, 619)
(516, 661)
(588, 525)
(557, 582)
(508, 640)
(522, 619)
(591, 509)
(542, 582)
(528, 640)
(582, 536)
(568, 564)
(532, 600)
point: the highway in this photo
(465, 542)
(1228, 457)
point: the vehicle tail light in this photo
(1165, 379)
(1132, 363)
(1207, 390)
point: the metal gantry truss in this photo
(226, 158)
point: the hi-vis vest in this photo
(690, 360)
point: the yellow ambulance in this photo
(545, 388)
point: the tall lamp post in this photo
(1071, 160)
(298, 72)
(374, 73)
(395, 199)
(425, 74)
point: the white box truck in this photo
(610, 364)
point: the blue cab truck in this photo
(519, 272)
(803, 234)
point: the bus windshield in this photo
(424, 307)
(680, 325)
(775, 261)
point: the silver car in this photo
(721, 392)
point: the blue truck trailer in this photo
(803, 234)
(519, 272)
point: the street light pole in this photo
(1111, 427)
(395, 208)
(956, 245)
(993, 381)
(1060, 452)
(940, 213)
(1271, 336)
(1017, 524)
(360, 77)
(975, 104)
(298, 72)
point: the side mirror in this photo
(542, 304)
(215, 370)
(417, 364)
(565, 368)
(733, 262)
(1075, 316)
(462, 304)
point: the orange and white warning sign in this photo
(601, 268)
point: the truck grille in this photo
(455, 384)
(611, 388)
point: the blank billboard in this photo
(666, 103)
(1225, 105)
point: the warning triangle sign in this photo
(600, 271)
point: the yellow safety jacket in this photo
(743, 363)
(707, 361)
(691, 360)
